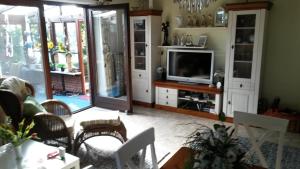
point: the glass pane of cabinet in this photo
(244, 43)
(139, 44)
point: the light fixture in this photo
(193, 5)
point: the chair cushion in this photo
(17, 86)
(31, 107)
(109, 120)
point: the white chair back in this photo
(130, 148)
(270, 124)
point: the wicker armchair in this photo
(52, 130)
(57, 107)
(62, 110)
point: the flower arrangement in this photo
(8, 134)
(215, 149)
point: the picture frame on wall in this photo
(220, 17)
(202, 41)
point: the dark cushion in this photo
(31, 107)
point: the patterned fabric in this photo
(114, 122)
(17, 86)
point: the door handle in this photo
(232, 46)
(229, 102)
(147, 91)
(241, 85)
(146, 45)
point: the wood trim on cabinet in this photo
(248, 6)
(139, 103)
(145, 13)
(192, 112)
(189, 87)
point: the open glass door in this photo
(108, 46)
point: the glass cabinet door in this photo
(244, 45)
(139, 30)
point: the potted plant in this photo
(61, 66)
(215, 148)
(52, 67)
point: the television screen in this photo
(190, 65)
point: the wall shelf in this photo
(201, 28)
(183, 47)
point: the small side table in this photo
(294, 120)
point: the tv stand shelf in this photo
(192, 99)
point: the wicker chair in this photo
(117, 131)
(57, 107)
(61, 109)
(52, 130)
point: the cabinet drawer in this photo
(167, 102)
(139, 75)
(241, 85)
(163, 90)
(167, 96)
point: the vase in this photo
(178, 21)
(18, 152)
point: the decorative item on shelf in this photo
(193, 6)
(215, 148)
(220, 17)
(61, 67)
(202, 41)
(164, 28)
(183, 39)
(179, 21)
(103, 2)
(218, 77)
(209, 20)
(16, 138)
(203, 21)
(189, 21)
(251, 38)
(69, 62)
(161, 73)
(176, 39)
(189, 40)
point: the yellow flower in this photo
(50, 45)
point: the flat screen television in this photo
(190, 65)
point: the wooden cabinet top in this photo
(189, 87)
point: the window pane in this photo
(20, 46)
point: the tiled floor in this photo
(171, 129)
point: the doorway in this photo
(68, 57)
(108, 29)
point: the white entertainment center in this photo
(243, 59)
